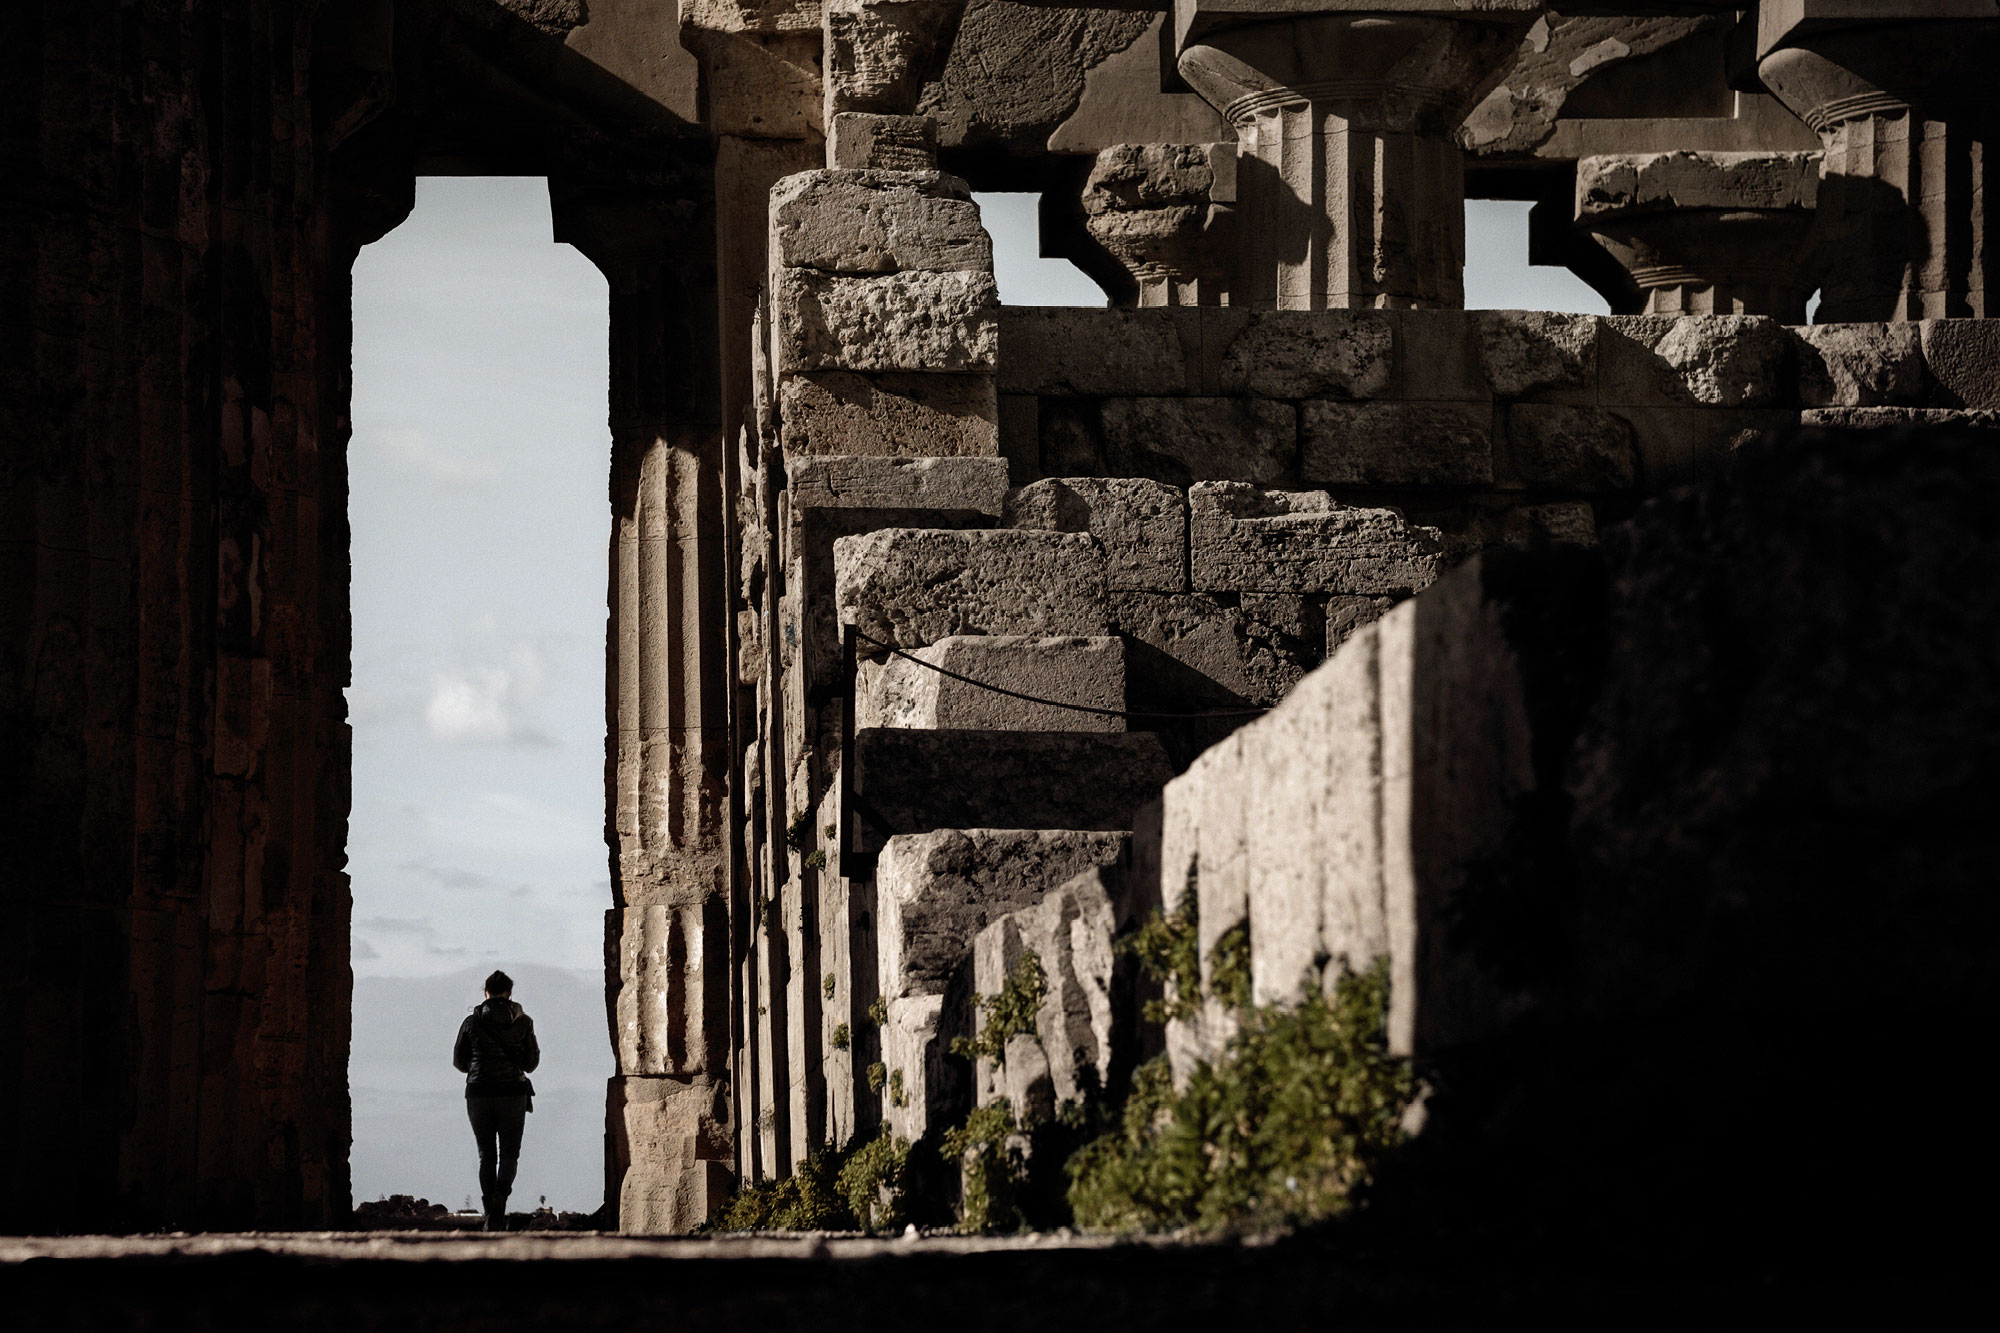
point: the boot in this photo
(496, 1212)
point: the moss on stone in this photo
(841, 1039)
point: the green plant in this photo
(878, 1074)
(1281, 1130)
(1229, 966)
(875, 1182)
(806, 1200)
(878, 1012)
(1009, 1013)
(814, 859)
(830, 831)
(896, 1095)
(798, 833)
(840, 1038)
(826, 985)
(993, 1171)
(1167, 949)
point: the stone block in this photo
(1675, 444)
(835, 412)
(673, 1201)
(1552, 446)
(920, 1092)
(916, 321)
(1247, 539)
(877, 222)
(1062, 351)
(1711, 360)
(1020, 435)
(1859, 365)
(1615, 184)
(896, 692)
(959, 485)
(1436, 360)
(1963, 357)
(670, 1147)
(1141, 524)
(1536, 527)
(1396, 444)
(863, 140)
(1311, 354)
(1544, 354)
(1881, 418)
(1068, 1058)
(909, 781)
(911, 586)
(1201, 439)
(936, 891)
(1248, 649)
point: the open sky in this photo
(479, 475)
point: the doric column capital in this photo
(1153, 207)
(1720, 233)
(1407, 72)
(1900, 96)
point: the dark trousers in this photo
(496, 1126)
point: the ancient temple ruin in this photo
(946, 632)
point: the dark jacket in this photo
(496, 1050)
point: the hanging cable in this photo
(1135, 715)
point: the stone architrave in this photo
(1350, 186)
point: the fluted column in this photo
(1903, 107)
(1350, 186)
(668, 749)
(1706, 233)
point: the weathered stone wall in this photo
(174, 643)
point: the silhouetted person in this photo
(496, 1051)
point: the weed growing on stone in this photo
(826, 985)
(1281, 1131)
(841, 1038)
(1167, 948)
(878, 1074)
(987, 1149)
(1229, 966)
(798, 833)
(1009, 1013)
(814, 859)
(897, 1097)
(875, 1182)
(807, 1200)
(878, 1012)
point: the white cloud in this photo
(468, 706)
(490, 705)
(413, 451)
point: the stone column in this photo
(670, 1143)
(1706, 233)
(1350, 185)
(1152, 206)
(1901, 100)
